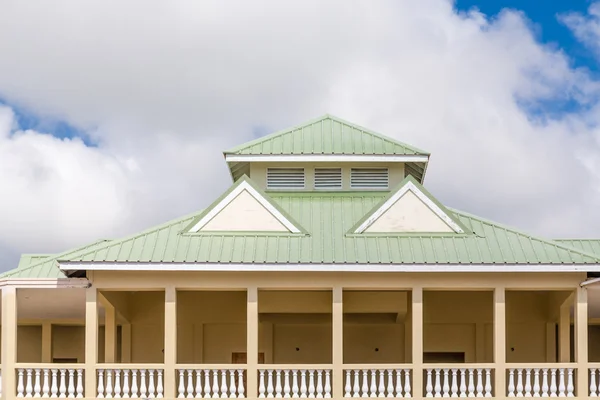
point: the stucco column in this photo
(338, 342)
(170, 355)
(126, 343)
(252, 342)
(91, 341)
(417, 341)
(500, 341)
(564, 332)
(47, 342)
(9, 341)
(581, 341)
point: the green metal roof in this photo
(27, 260)
(591, 246)
(326, 135)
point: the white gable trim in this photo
(259, 267)
(257, 196)
(324, 158)
(392, 200)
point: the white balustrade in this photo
(542, 382)
(458, 382)
(130, 383)
(377, 383)
(294, 383)
(211, 383)
(50, 382)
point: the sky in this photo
(114, 116)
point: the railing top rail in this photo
(49, 365)
(295, 366)
(130, 366)
(541, 365)
(377, 366)
(211, 366)
(460, 366)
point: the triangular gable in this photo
(409, 209)
(244, 208)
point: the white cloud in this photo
(586, 27)
(164, 88)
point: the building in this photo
(326, 271)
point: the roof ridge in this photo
(542, 239)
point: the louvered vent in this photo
(369, 178)
(285, 178)
(328, 178)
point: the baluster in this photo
(223, 383)
(327, 394)
(319, 384)
(36, 385)
(207, 389)
(295, 386)
(109, 387)
(29, 383)
(519, 382)
(488, 382)
(181, 385)
(347, 384)
(20, 387)
(479, 382)
(241, 389)
(79, 387)
(185, 384)
(270, 383)
(511, 382)
(159, 384)
(561, 383)
(311, 384)
(471, 386)
(463, 383)
(381, 386)
(593, 386)
(373, 383)
(398, 385)
(570, 385)
(151, 387)
(536, 382)
(117, 384)
(278, 387)
(303, 387)
(125, 383)
(63, 384)
(71, 387)
(46, 383)
(143, 387)
(261, 384)
(454, 386)
(134, 384)
(356, 384)
(390, 383)
(438, 384)
(446, 383)
(553, 389)
(100, 384)
(198, 374)
(365, 383)
(232, 385)
(545, 382)
(429, 385)
(407, 388)
(528, 382)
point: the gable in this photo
(244, 213)
(244, 209)
(409, 209)
(408, 214)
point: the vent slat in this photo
(285, 178)
(369, 178)
(328, 178)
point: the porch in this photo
(273, 342)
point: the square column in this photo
(91, 341)
(500, 341)
(170, 354)
(9, 341)
(252, 342)
(581, 341)
(338, 342)
(417, 342)
(564, 331)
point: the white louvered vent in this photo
(285, 178)
(328, 178)
(369, 178)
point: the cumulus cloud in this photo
(161, 92)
